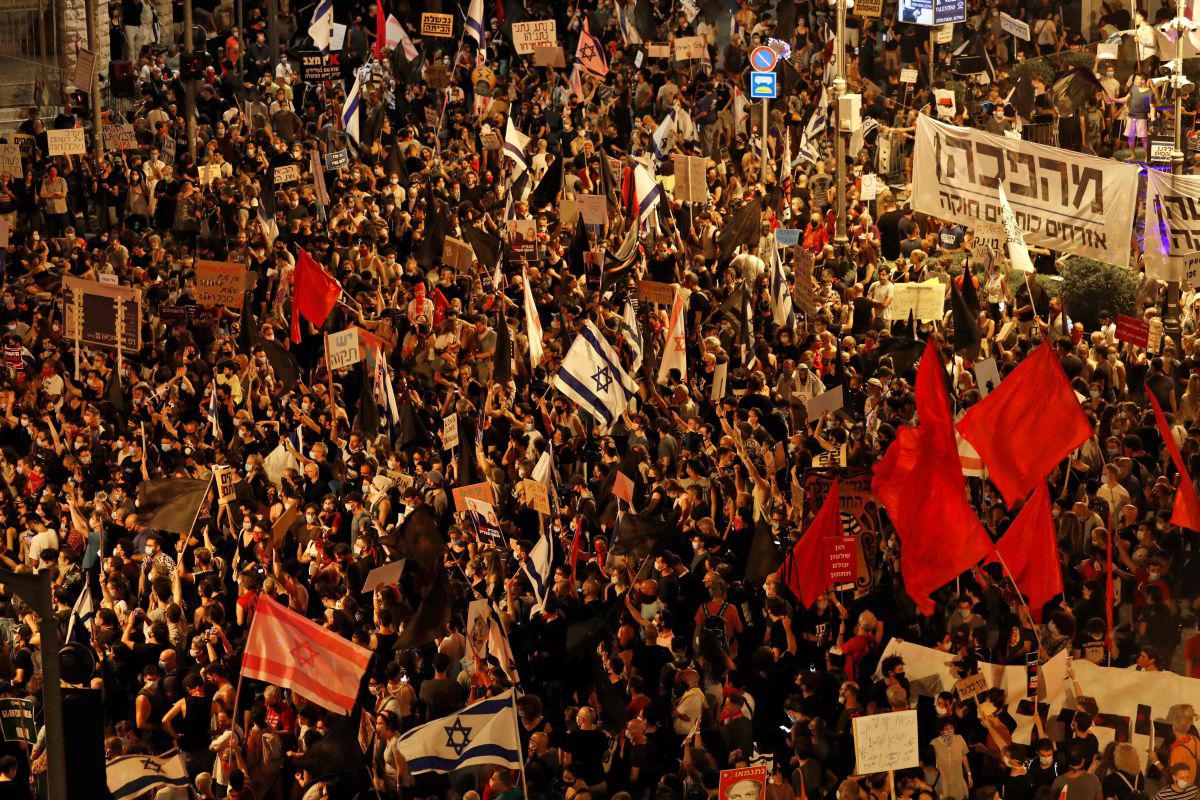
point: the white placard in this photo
(945, 103)
(10, 160)
(337, 39)
(925, 301)
(870, 187)
(830, 400)
(690, 9)
(908, 75)
(987, 376)
(885, 742)
(450, 431)
(85, 68)
(1108, 51)
(689, 47)
(944, 34)
(344, 349)
(66, 142)
(529, 36)
(1015, 27)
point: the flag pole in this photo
(517, 730)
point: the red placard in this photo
(746, 783)
(841, 554)
(1133, 330)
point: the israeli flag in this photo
(81, 614)
(782, 309)
(350, 109)
(661, 141)
(538, 569)
(482, 733)
(137, 776)
(321, 27)
(515, 144)
(475, 22)
(633, 336)
(591, 374)
(648, 193)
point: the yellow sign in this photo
(437, 25)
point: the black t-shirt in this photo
(587, 749)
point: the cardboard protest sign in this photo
(439, 25)
(744, 783)
(552, 57)
(385, 575)
(10, 160)
(1054, 674)
(662, 294)
(593, 208)
(971, 686)
(623, 487)
(479, 491)
(868, 8)
(885, 742)
(987, 376)
(120, 137)
(536, 495)
(1017, 28)
(691, 183)
(220, 283)
(686, 48)
(344, 348)
(66, 142)
(529, 36)
(91, 313)
(457, 254)
(830, 400)
(288, 173)
(658, 50)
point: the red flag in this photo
(314, 293)
(920, 483)
(1025, 426)
(380, 29)
(576, 545)
(292, 651)
(806, 569)
(1029, 553)
(1187, 505)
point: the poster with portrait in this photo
(522, 239)
(745, 783)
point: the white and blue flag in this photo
(474, 29)
(81, 614)
(538, 568)
(817, 123)
(515, 144)
(482, 733)
(661, 140)
(350, 109)
(139, 776)
(321, 27)
(782, 309)
(591, 374)
(633, 337)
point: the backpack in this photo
(714, 625)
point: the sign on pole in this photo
(344, 349)
(91, 313)
(220, 283)
(85, 69)
(763, 85)
(529, 36)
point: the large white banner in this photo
(1065, 201)
(1172, 226)
(1118, 692)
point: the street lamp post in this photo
(1182, 27)
(840, 238)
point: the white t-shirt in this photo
(39, 542)
(881, 293)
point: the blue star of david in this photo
(454, 730)
(304, 655)
(150, 765)
(602, 378)
(588, 51)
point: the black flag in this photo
(742, 229)
(430, 618)
(502, 366)
(368, 409)
(420, 539)
(966, 327)
(171, 504)
(283, 362)
(638, 535)
(485, 245)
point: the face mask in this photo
(310, 518)
(1153, 575)
(965, 613)
(1045, 761)
(149, 549)
(1181, 784)
(163, 666)
(166, 447)
(942, 711)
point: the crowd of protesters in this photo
(641, 675)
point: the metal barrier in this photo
(29, 54)
(1041, 133)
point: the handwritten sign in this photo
(868, 8)
(594, 208)
(66, 142)
(885, 742)
(120, 137)
(785, 237)
(535, 495)
(1014, 26)
(1133, 331)
(16, 720)
(336, 159)
(220, 283)
(477, 491)
(208, 173)
(657, 292)
(908, 75)
(691, 182)
(344, 349)
(688, 47)
(529, 36)
(926, 301)
(10, 160)
(658, 50)
(841, 556)
(288, 173)
(450, 431)
(440, 25)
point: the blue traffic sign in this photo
(763, 85)
(763, 58)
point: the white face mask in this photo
(149, 549)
